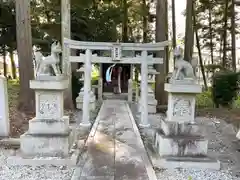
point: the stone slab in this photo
(49, 126)
(41, 161)
(12, 143)
(114, 152)
(97, 178)
(187, 163)
(100, 161)
(4, 109)
(180, 145)
(49, 85)
(50, 78)
(46, 145)
(183, 88)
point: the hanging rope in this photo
(109, 73)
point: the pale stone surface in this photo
(87, 88)
(49, 134)
(80, 99)
(181, 102)
(43, 64)
(49, 126)
(144, 90)
(172, 128)
(49, 84)
(46, 145)
(49, 104)
(4, 109)
(113, 147)
(181, 145)
(130, 90)
(100, 88)
(177, 142)
(183, 88)
(182, 69)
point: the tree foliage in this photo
(211, 16)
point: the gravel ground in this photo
(223, 145)
(41, 172)
(31, 173)
(183, 174)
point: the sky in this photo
(180, 6)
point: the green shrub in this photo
(95, 80)
(204, 100)
(225, 87)
(236, 102)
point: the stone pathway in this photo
(114, 149)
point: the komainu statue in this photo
(183, 70)
(43, 64)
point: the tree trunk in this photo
(14, 72)
(145, 21)
(199, 51)
(210, 32)
(189, 35)
(125, 22)
(233, 36)
(224, 59)
(173, 25)
(24, 48)
(161, 35)
(4, 62)
(66, 66)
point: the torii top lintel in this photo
(116, 49)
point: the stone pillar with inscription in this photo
(49, 133)
(180, 142)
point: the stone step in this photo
(187, 162)
(180, 145)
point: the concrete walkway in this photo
(114, 149)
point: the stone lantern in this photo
(152, 102)
(79, 99)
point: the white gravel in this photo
(31, 173)
(194, 175)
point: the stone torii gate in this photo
(116, 49)
(116, 57)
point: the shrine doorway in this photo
(125, 76)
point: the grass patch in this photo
(204, 100)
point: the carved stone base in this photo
(47, 145)
(181, 102)
(170, 128)
(180, 145)
(49, 126)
